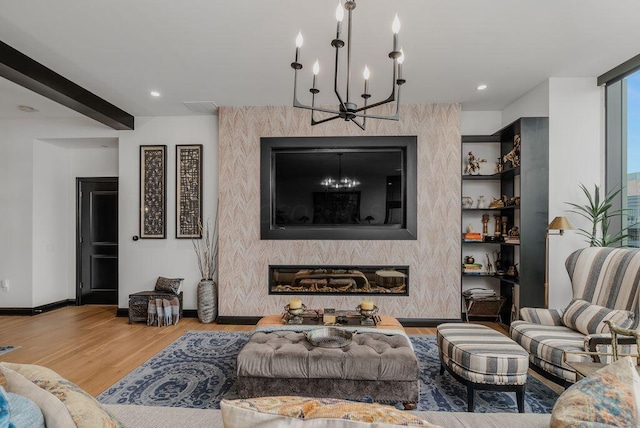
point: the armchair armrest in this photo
(542, 316)
(628, 338)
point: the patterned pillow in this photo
(306, 412)
(609, 397)
(587, 318)
(83, 409)
(169, 285)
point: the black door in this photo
(97, 245)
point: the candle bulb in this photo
(365, 74)
(366, 305)
(299, 41)
(400, 61)
(295, 303)
(396, 28)
(339, 17)
(316, 70)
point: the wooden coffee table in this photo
(382, 321)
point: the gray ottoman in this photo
(382, 367)
(482, 358)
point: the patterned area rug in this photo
(198, 370)
(6, 349)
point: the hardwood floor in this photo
(93, 348)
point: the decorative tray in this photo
(329, 337)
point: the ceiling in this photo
(238, 53)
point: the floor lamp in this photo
(560, 224)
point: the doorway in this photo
(97, 241)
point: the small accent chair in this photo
(606, 286)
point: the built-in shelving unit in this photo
(524, 184)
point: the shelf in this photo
(513, 207)
(491, 243)
(509, 279)
(507, 173)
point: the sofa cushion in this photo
(63, 403)
(609, 397)
(588, 318)
(306, 412)
(546, 344)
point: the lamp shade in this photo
(560, 223)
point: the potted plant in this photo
(206, 249)
(598, 212)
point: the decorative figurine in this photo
(481, 205)
(504, 226)
(485, 224)
(473, 164)
(467, 202)
(470, 228)
(496, 203)
(489, 265)
(499, 166)
(498, 263)
(514, 155)
(514, 231)
(513, 271)
(496, 231)
(469, 260)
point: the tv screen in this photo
(338, 188)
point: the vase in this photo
(207, 301)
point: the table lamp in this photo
(560, 224)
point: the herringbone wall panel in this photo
(433, 259)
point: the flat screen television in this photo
(348, 188)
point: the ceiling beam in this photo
(24, 71)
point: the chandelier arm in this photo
(316, 122)
(335, 79)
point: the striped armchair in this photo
(606, 286)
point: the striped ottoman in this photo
(482, 358)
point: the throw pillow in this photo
(306, 412)
(54, 411)
(79, 409)
(5, 414)
(587, 318)
(609, 397)
(169, 285)
(24, 412)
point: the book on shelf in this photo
(473, 268)
(512, 240)
(478, 293)
(472, 237)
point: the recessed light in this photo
(482, 87)
(27, 109)
(155, 93)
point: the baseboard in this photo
(237, 320)
(186, 313)
(406, 322)
(426, 322)
(38, 309)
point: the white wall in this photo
(576, 155)
(142, 261)
(32, 256)
(51, 211)
(534, 103)
(480, 122)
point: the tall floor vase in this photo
(207, 301)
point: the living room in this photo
(43, 154)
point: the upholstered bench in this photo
(382, 367)
(482, 358)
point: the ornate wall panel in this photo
(188, 191)
(433, 258)
(153, 192)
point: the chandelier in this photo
(347, 109)
(341, 182)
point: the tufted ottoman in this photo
(482, 358)
(382, 367)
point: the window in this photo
(623, 144)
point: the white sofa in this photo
(172, 417)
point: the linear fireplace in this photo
(323, 280)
